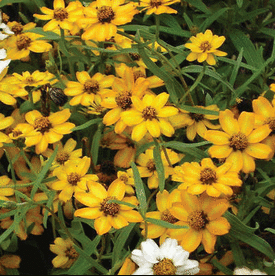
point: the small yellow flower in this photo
(47, 130)
(61, 17)
(195, 123)
(73, 177)
(240, 142)
(198, 178)
(204, 47)
(128, 180)
(84, 91)
(107, 214)
(157, 6)
(164, 202)
(203, 217)
(150, 115)
(65, 251)
(102, 17)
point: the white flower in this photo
(168, 259)
(3, 63)
(7, 31)
(246, 271)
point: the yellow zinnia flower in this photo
(47, 130)
(198, 178)
(164, 202)
(157, 6)
(65, 251)
(84, 91)
(203, 217)
(265, 115)
(147, 167)
(204, 47)
(61, 17)
(105, 214)
(239, 142)
(150, 115)
(73, 177)
(195, 123)
(102, 17)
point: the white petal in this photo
(3, 53)
(4, 64)
(144, 270)
(151, 251)
(138, 258)
(191, 267)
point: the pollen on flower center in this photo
(151, 166)
(23, 42)
(91, 86)
(124, 178)
(271, 123)
(205, 46)
(73, 178)
(124, 100)
(167, 216)
(155, 3)
(110, 209)
(60, 14)
(149, 113)
(197, 220)
(43, 124)
(164, 267)
(17, 28)
(238, 141)
(105, 14)
(62, 157)
(71, 253)
(208, 176)
(196, 117)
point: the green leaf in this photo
(159, 166)
(199, 5)
(87, 124)
(6, 2)
(96, 143)
(140, 191)
(236, 67)
(165, 224)
(221, 267)
(46, 35)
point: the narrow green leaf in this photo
(140, 191)
(236, 67)
(87, 124)
(96, 143)
(159, 166)
(221, 267)
(199, 5)
(165, 224)
(5, 2)
(46, 35)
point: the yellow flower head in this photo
(61, 17)
(164, 202)
(204, 47)
(85, 90)
(157, 6)
(65, 251)
(150, 115)
(107, 214)
(240, 141)
(195, 123)
(198, 178)
(203, 217)
(102, 17)
(47, 130)
(73, 177)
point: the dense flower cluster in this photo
(100, 128)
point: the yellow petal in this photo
(179, 212)
(162, 200)
(228, 123)
(153, 127)
(88, 213)
(191, 240)
(246, 122)
(220, 151)
(219, 226)
(118, 221)
(263, 107)
(236, 159)
(87, 199)
(217, 137)
(139, 131)
(258, 150)
(259, 134)
(102, 225)
(117, 190)
(208, 241)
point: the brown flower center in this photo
(124, 100)
(73, 178)
(42, 124)
(62, 157)
(164, 267)
(124, 178)
(167, 216)
(197, 220)
(238, 141)
(151, 166)
(149, 113)
(17, 28)
(60, 14)
(135, 56)
(208, 176)
(271, 123)
(110, 209)
(196, 117)
(155, 3)
(205, 46)
(91, 86)
(71, 253)
(105, 14)
(23, 42)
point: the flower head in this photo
(204, 47)
(157, 6)
(168, 259)
(240, 141)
